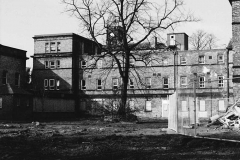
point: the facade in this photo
(56, 71)
(72, 75)
(13, 97)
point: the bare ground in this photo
(95, 139)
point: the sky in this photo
(20, 20)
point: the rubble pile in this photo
(230, 119)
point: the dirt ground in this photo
(96, 139)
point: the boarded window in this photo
(1, 104)
(221, 106)
(148, 106)
(184, 106)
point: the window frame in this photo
(17, 79)
(57, 63)
(131, 84)
(52, 64)
(1, 102)
(100, 64)
(47, 47)
(45, 84)
(200, 58)
(200, 106)
(57, 83)
(148, 109)
(51, 87)
(201, 83)
(183, 62)
(58, 46)
(222, 60)
(46, 64)
(113, 85)
(220, 85)
(83, 66)
(52, 46)
(99, 87)
(83, 87)
(165, 84)
(183, 84)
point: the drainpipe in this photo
(228, 49)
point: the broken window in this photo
(83, 64)
(58, 46)
(220, 81)
(58, 63)
(57, 84)
(148, 106)
(201, 82)
(46, 47)
(17, 79)
(46, 64)
(201, 59)
(99, 84)
(165, 83)
(53, 46)
(115, 83)
(131, 85)
(83, 84)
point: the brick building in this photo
(236, 45)
(15, 101)
(70, 75)
(56, 71)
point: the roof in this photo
(13, 52)
(177, 33)
(10, 89)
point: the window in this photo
(57, 84)
(51, 84)
(202, 107)
(131, 104)
(183, 81)
(210, 57)
(115, 83)
(99, 64)
(83, 64)
(58, 46)
(220, 58)
(46, 47)
(148, 82)
(201, 82)
(96, 50)
(46, 64)
(221, 106)
(148, 106)
(83, 84)
(220, 81)
(132, 62)
(46, 84)
(1, 103)
(201, 59)
(52, 64)
(58, 63)
(52, 46)
(131, 85)
(99, 84)
(17, 79)
(165, 83)
(183, 60)
(4, 77)
(184, 106)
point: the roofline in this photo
(13, 48)
(178, 33)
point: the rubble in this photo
(229, 120)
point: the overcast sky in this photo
(20, 20)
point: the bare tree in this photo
(201, 40)
(137, 20)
